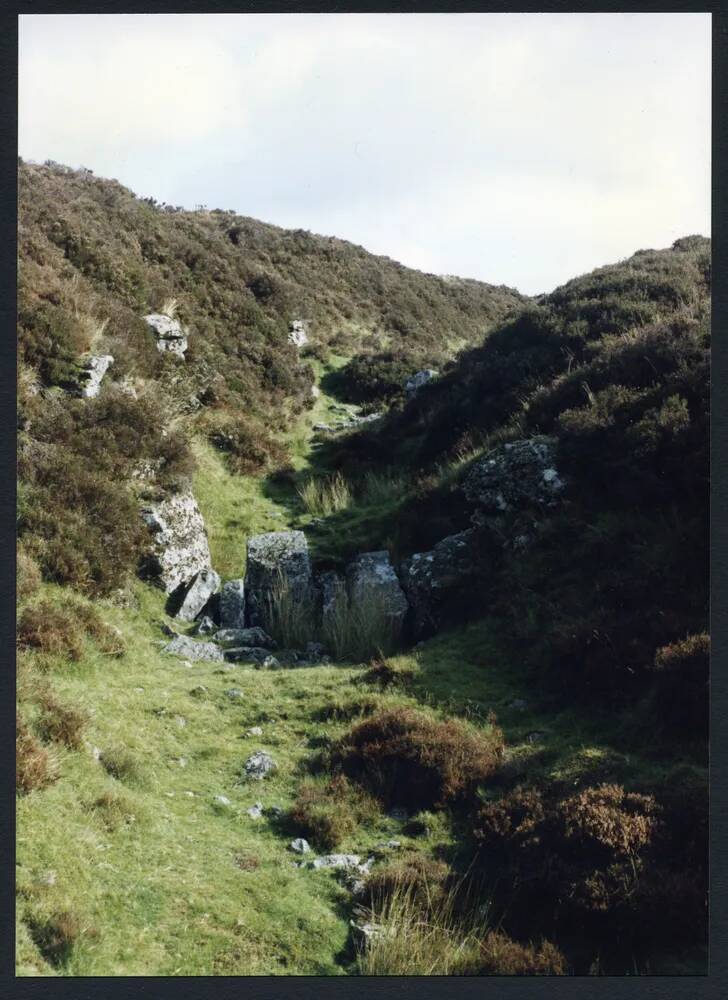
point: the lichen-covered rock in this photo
(432, 579)
(415, 382)
(515, 475)
(258, 765)
(205, 626)
(93, 370)
(179, 548)
(246, 654)
(232, 604)
(279, 570)
(199, 593)
(372, 583)
(297, 334)
(191, 649)
(255, 636)
(170, 334)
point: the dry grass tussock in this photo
(325, 496)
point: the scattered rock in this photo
(191, 649)
(254, 731)
(258, 765)
(336, 861)
(515, 475)
(222, 800)
(170, 335)
(244, 637)
(232, 606)
(415, 382)
(300, 846)
(179, 547)
(199, 691)
(279, 567)
(234, 694)
(93, 370)
(182, 761)
(246, 654)
(271, 663)
(199, 593)
(255, 811)
(46, 878)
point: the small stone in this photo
(47, 878)
(271, 663)
(222, 800)
(190, 795)
(337, 861)
(255, 811)
(300, 846)
(234, 694)
(139, 690)
(182, 761)
(254, 731)
(181, 721)
(96, 753)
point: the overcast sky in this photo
(521, 149)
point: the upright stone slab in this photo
(433, 581)
(373, 588)
(94, 368)
(232, 604)
(178, 548)
(199, 593)
(279, 572)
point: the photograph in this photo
(363, 495)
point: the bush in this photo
(56, 935)
(500, 956)
(328, 812)
(408, 758)
(60, 723)
(681, 698)
(58, 628)
(28, 577)
(34, 767)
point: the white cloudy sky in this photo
(516, 148)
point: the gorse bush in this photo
(34, 766)
(408, 758)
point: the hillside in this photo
(459, 632)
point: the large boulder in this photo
(372, 586)
(415, 382)
(517, 475)
(232, 604)
(279, 579)
(199, 593)
(434, 580)
(93, 370)
(171, 337)
(179, 549)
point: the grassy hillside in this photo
(540, 764)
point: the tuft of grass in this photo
(60, 723)
(115, 810)
(322, 497)
(121, 764)
(358, 631)
(56, 935)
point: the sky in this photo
(519, 149)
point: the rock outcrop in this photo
(171, 337)
(199, 593)
(298, 333)
(372, 582)
(232, 604)
(279, 572)
(258, 765)
(514, 476)
(93, 370)
(432, 579)
(231, 637)
(415, 382)
(179, 547)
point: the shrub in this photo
(121, 764)
(680, 699)
(34, 767)
(58, 628)
(408, 758)
(60, 723)
(500, 956)
(250, 447)
(55, 935)
(329, 812)
(423, 879)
